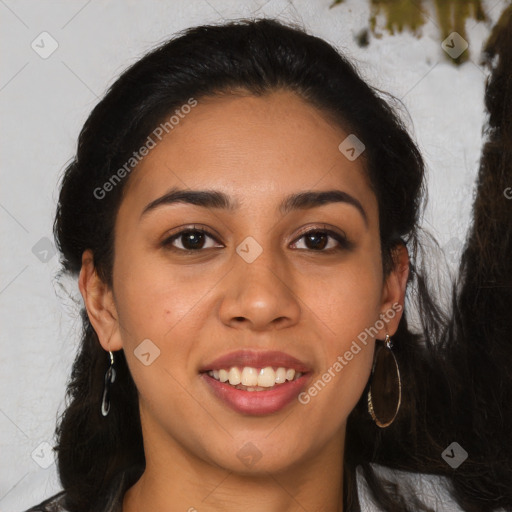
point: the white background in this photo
(44, 103)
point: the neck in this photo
(175, 479)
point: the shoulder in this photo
(53, 504)
(108, 501)
(432, 490)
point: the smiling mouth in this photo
(248, 378)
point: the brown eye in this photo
(323, 241)
(316, 240)
(190, 240)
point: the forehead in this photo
(256, 149)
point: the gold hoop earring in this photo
(385, 393)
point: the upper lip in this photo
(256, 359)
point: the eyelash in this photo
(344, 243)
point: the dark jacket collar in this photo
(111, 501)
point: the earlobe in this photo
(393, 296)
(99, 303)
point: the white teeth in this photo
(234, 376)
(267, 377)
(252, 379)
(280, 375)
(249, 376)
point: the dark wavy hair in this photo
(453, 373)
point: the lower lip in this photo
(257, 403)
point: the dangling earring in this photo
(385, 393)
(110, 377)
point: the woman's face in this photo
(252, 289)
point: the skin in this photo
(293, 298)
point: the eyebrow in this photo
(219, 200)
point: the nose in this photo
(259, 296)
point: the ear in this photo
(393, 293)
(99, 302)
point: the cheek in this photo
(348, 305)
(166, 305)
(152, 297)
(331, 395)
(348, 299)
(157, 333)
